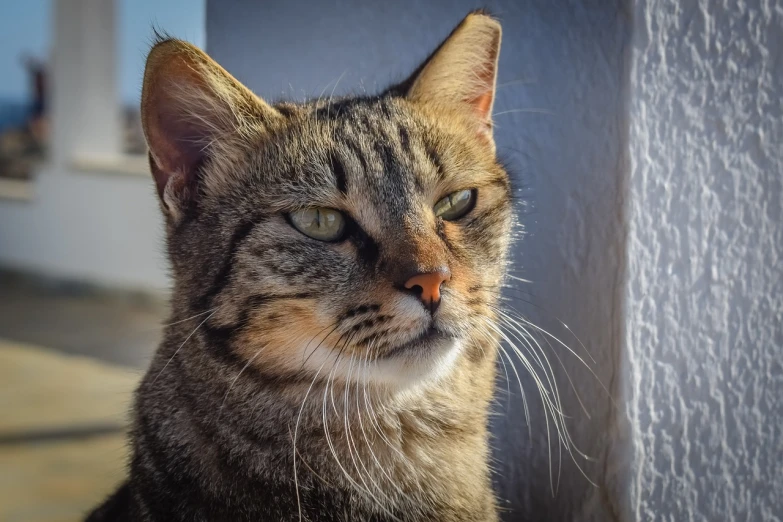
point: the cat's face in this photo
(360, 239)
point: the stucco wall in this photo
(705, 279)
(560, 127)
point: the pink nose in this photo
(429, 284)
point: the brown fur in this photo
(300, 390)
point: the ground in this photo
(70, 357)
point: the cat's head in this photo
(362, 238)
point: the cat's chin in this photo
(426, 358)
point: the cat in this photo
(336, 266)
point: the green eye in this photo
(324, 224)
(455, 205)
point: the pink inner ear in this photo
(176, 140)
(176, 150)
(483, 104)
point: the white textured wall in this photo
(704, 302)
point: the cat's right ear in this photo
(461, 73)
(193, 111)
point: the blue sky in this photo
(26, 27)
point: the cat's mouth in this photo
(430, 339)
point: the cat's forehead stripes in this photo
(376, 149)
(338, 170)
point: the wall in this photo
(705, 278)
(560, 126)
(97, 227)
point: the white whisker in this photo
(553, 405)
(572, 352)
(190, 318)
(233, 382)
(542, 393)
(533, 111)
(296, 432)
(326, 426)
(181, 345)
(364, 433)
(511, 320)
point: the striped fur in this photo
(277, 338)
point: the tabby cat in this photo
(336, 266)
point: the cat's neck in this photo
(357, 437)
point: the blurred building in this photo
(87, 211)
(81, 268)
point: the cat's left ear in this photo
(462, 72)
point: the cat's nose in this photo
(427, 287)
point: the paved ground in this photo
(112, 326)
(62, 432)
(70, 357)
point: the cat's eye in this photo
(455, 205)
(324, 224)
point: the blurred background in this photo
(79, 317)
(645, 140)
